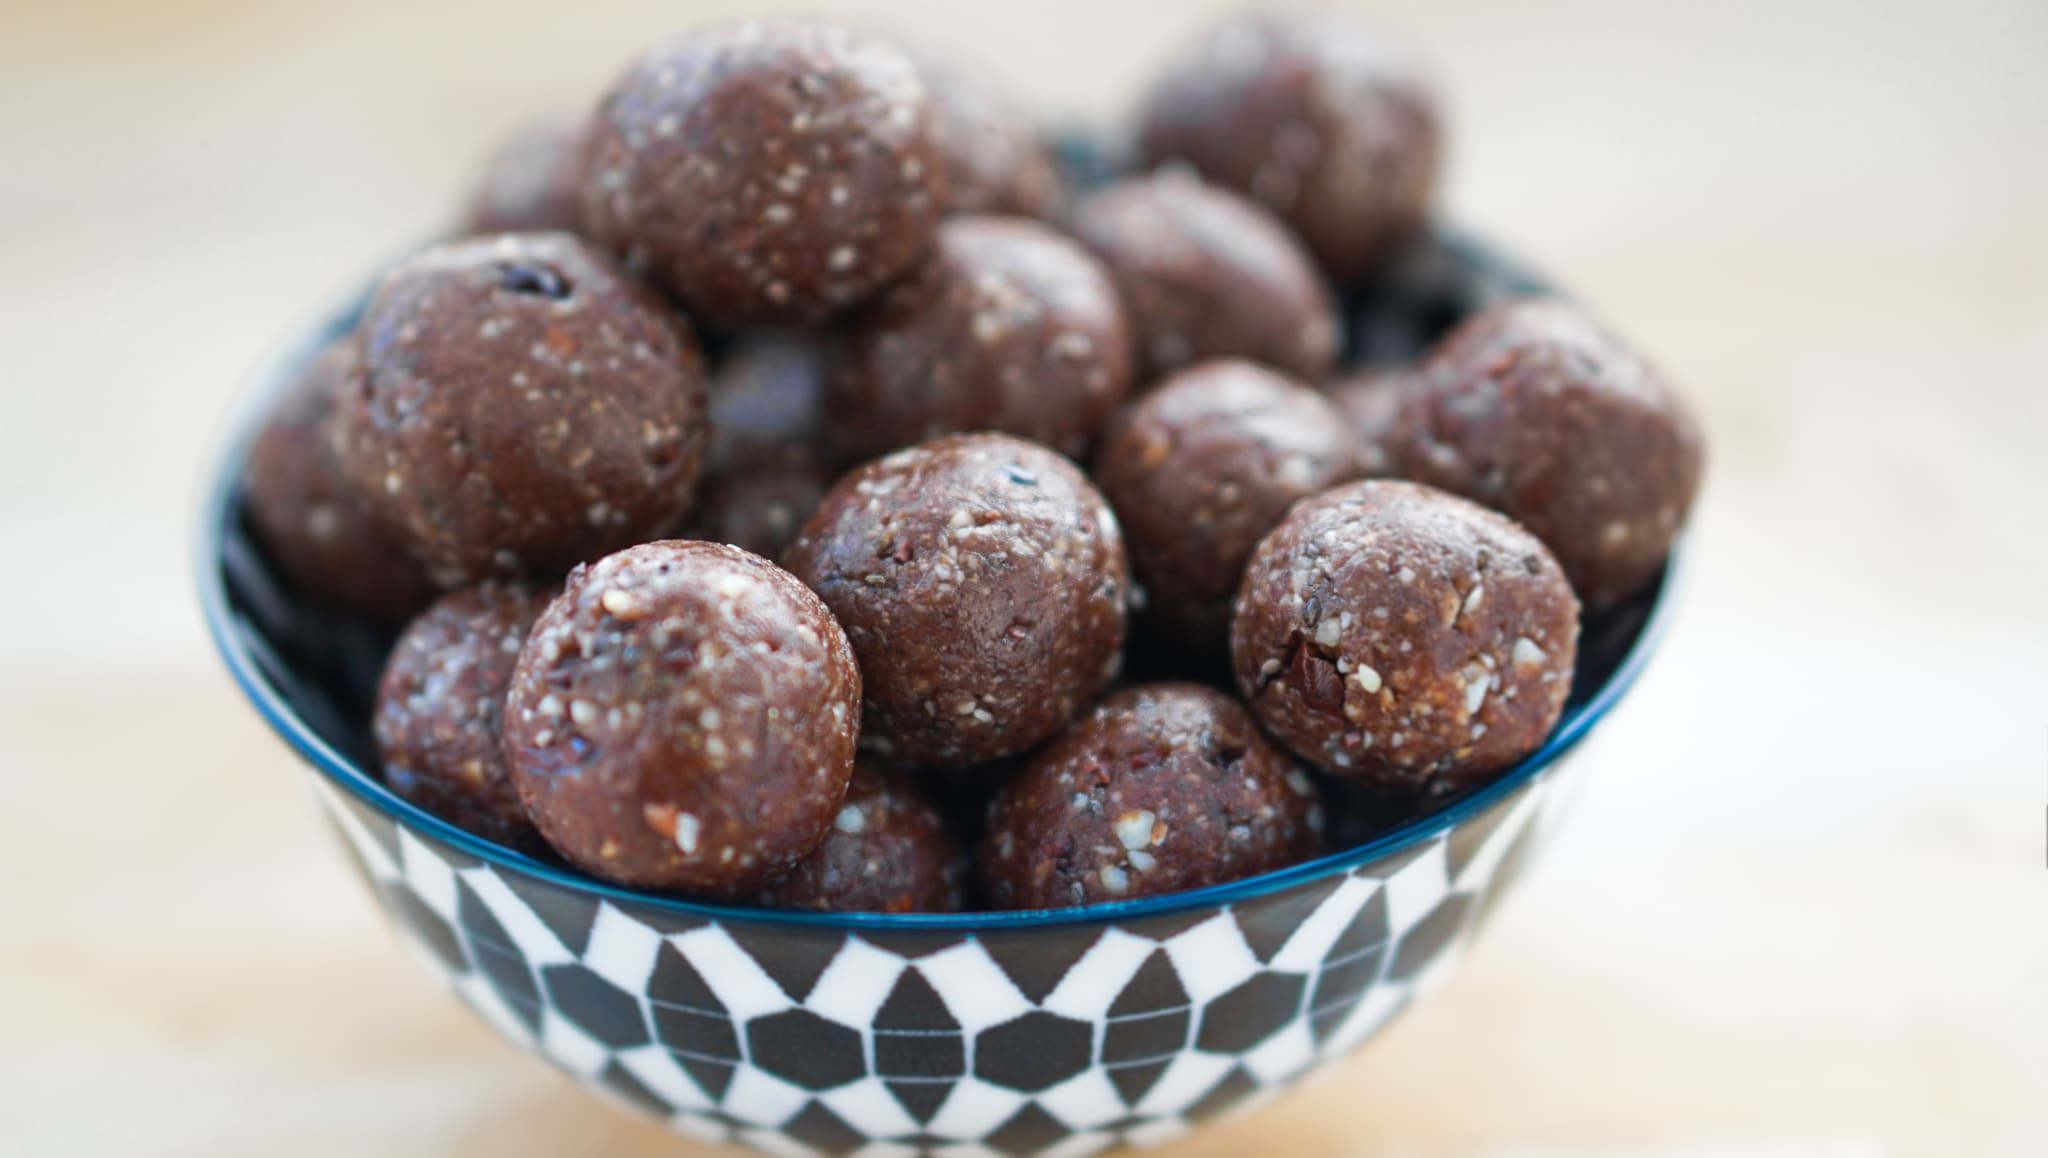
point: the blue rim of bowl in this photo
(220, 509)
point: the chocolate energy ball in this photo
(765, 475)
(767, 172)
(1535, 410)
(533, 183)
(321, 531)
(982, 580)
(887, 851)
(440, 703)
(523, 406)
(997, 156)
(1200, 469)
(1209, 274)
(1318, 115)
(1009, 326)
(684, 716)
(1158, 789)
(1371, 402)
(1405, 637)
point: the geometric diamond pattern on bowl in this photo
(1068, 1039)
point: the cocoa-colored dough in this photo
(765, 474)
(684, 716)
(1318, 114)
(1009, 326)
(1209, 274)
(440, 703)
(997, 156)
(323, 534)
(1399, 635)
(1200, 469)
(1536, 410)
(1371, 402)
(888, 851)
(1158, 789)
(533, 181)
(767, 172)
(523, 406)
(982, 581)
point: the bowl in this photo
(1008, 1033)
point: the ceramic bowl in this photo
(1008, 1033)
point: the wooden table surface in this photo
(1800, 912)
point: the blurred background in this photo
(1802, 911)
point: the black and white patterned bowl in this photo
(973, 1034)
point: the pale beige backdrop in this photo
(1806, 916)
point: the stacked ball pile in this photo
(782, 474)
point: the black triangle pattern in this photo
(1036, 963)
(795, 958)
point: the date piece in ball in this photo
(533, 182)
(888, 851)
(684, 717)
(1160, 788)
(982, 581)
(523, 406)
(439, 707)
(1537, 411)
(1324, 118)
(1405, 637)
(1209, 274)
(1009, 326)
(1200, 469)
(767, 172)
(323, 533)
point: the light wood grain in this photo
(1800, 912)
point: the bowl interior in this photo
(312, 673)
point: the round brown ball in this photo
(1319, 115)
(887, 851)
(1534, 409)
(523, 406)
(1399, 635)
(684, 716)
(1009, 326)
(1371, 402)
(440, 704)
(982, 580)
(1208, 274)
(533, 182)
(998, 158)
(1200, 469)
(1159, 789)
(764, 475)
(319, 529)
(769, 171)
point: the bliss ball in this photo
(683, 716)
(767, 172)
(1404, 637)
(764, 475)
(1158, 789)
(1009, 326)
(533, 182)
(982, 580)
(1208, 274)
(1318, 115)
(1200, 469)
(523, 406)
(997, 157)
(1371, 402)
(888, 851)
(440, 704)
(1537, 411)
(323, 534)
